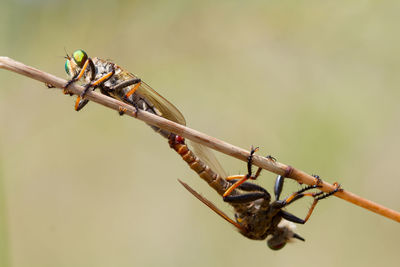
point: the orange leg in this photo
(311, 210)
(121, 111)
(234, 177)
(235, 185)
(77, 78)
(297, 195)
(316, 199)
(243, 178)
(103, 79)
(133, 90)
(78, 103)
(83, 70)
(317, 196)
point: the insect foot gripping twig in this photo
(193, 135)
(259, 218)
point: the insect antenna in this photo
(66, 53)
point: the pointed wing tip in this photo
(211, 205)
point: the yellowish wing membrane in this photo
(208, 157)
(167, 110)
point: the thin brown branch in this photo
(196, 136)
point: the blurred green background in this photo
(313, 83)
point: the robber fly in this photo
(118, 83)
(256, 216)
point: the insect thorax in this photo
(258, 219)
(103, 67)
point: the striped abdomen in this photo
(212, 178)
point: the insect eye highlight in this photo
(67, 66)
(80, 57)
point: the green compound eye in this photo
(80, 57)
(67, 66)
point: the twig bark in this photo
(196, 136)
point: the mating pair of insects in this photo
(256, 215)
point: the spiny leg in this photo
(279, 185)
(309, 187)
(250, 161)
(243, 178)
(299, 194)
(80, 102)
(88, 63)
(126, 97)
(321, 196)
(295, 196)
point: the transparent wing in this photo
(167, 110)
(206, 155)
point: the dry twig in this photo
(196, 136)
